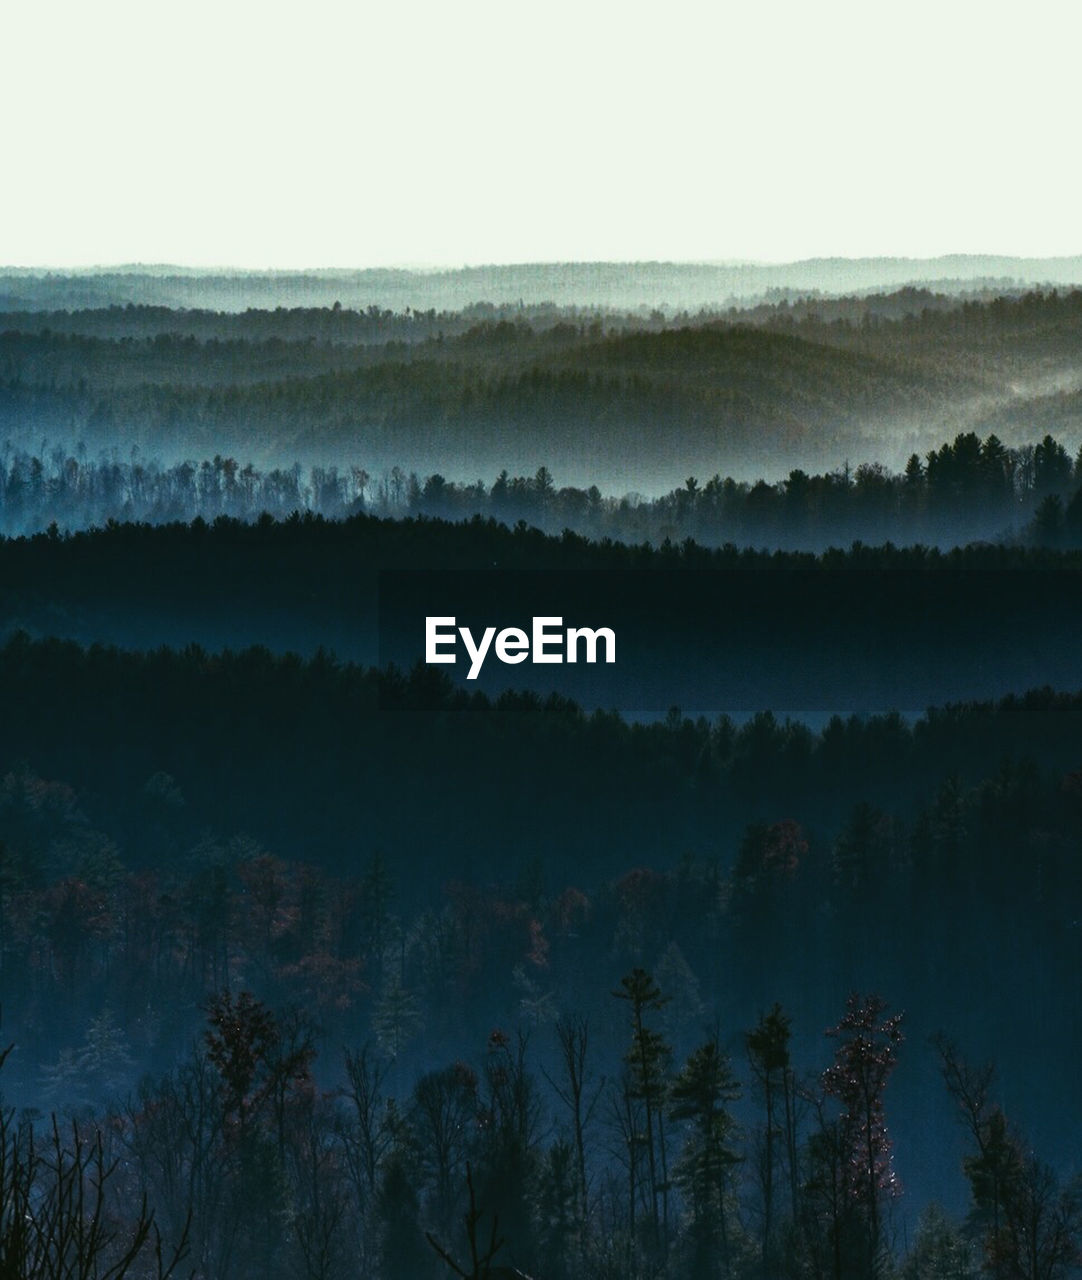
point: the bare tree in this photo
(59, 1218)
(480, 1260)
(573, 1034)
(1032, 1227)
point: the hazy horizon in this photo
(58, 266)
(485, 135)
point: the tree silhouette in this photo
(865, 1057)
(768, 1053)
(648, 1061)
(700, 1095)
(481, 1255)
(60, 1216)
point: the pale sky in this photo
(331, 134)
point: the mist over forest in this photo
(754, 956)
(626, 401)
(967, 490)
(620, 285)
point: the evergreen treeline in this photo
(866, 629)
(552, 944)
(965, 490)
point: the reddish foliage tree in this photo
(257, 1058)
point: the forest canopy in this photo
(622, 400)
(217, 869)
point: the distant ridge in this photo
(672, 286)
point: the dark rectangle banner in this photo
(803, 641)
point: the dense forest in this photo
(607, 400)
(964, 491)
(864, 630)
(752, 956)
(558, 973)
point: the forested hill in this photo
(502, 397)
(617, 400)
(247, 734)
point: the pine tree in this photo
(648, 1061)
(768, 1054)
(700, 1096)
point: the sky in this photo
(322, 134)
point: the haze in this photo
(352, 135)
